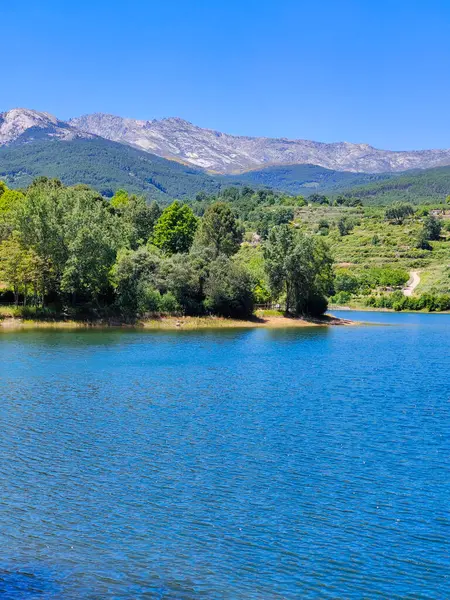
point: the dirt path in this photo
(413, 282)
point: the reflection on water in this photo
(226, 464)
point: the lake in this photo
(300, 463)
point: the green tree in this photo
(432, 228)
(185, 277)
(318, 199)
(270, 216)
(323, 227)
(346, 282)
(251, 258)
(229, 289)
(220, 229)
(175, 229)
(21, 269)
(136, 279)
(9, 200)
(300, 269)
(422, 241)
(398, 212)
(73, 231)
(345, 226)
(120, 199)
(137, 216)
(12, 262)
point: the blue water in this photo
(308, 463)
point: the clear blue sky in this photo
(374, 71)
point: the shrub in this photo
(168, 303)
(148, 299)
(398, 212)
(323, 227)
(345, 226)
(396, 300)
(432, 228)
(341, 298)
(375, 240)
(316, 305)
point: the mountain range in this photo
(218, 152)
(179, 140)
(171, 157)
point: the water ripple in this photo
(227, 464)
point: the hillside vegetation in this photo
(375, 256)
(417, 187)
(104, 165)
(306, 179)
(374, 248)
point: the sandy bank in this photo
(179, 323)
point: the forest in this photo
(70, 250)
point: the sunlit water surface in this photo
(309, 463)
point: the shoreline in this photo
(179, 323)
(389, 310)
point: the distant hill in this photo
(417, 187)
(106, 166)
(306, 179)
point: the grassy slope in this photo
(395, 247)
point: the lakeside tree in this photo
(74, 232)
(22, 270)
(299, 269)
(175, 229)
(220, 229)
(229, 289)
(186, 276)
(135, 272)
(137, 216)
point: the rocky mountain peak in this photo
(17, 122)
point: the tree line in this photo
(73, 249)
